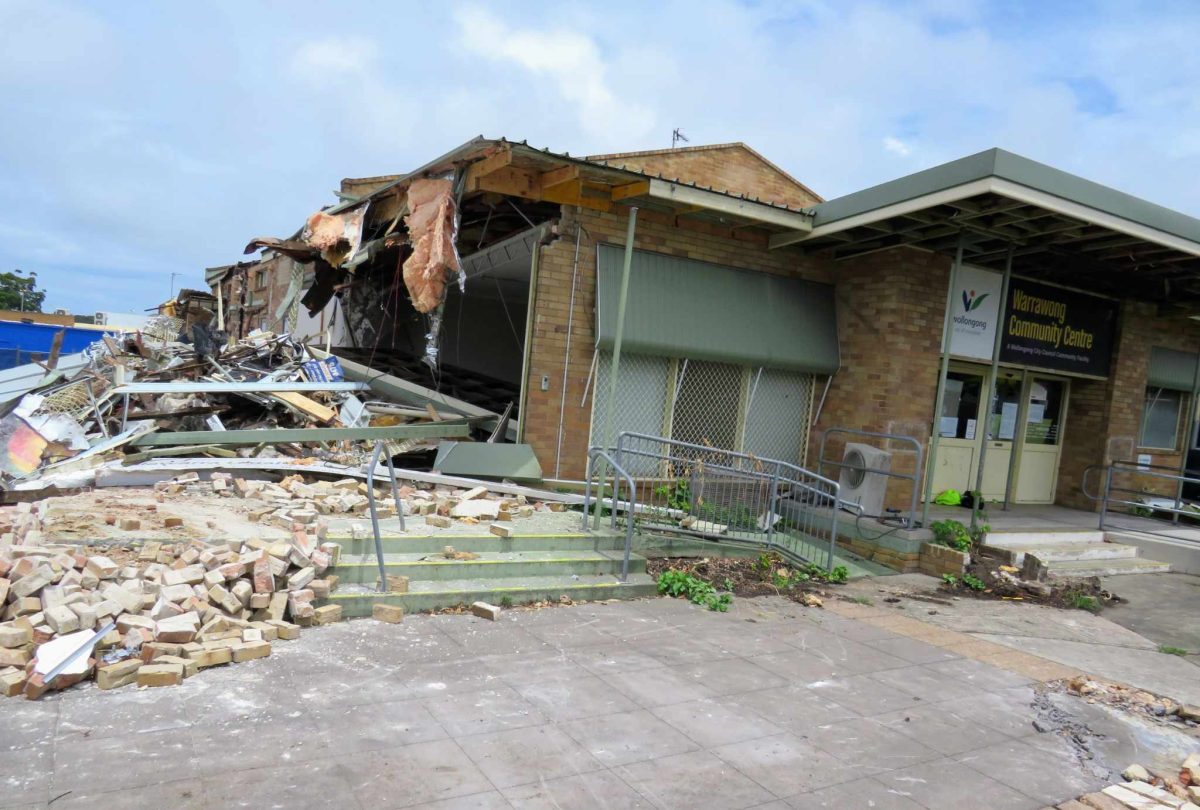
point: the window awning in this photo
(684, 308)
(1171, 369)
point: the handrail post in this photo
(771, 504)
(383, 583)
(395, 491)
(587, 488)
(833, 525)
(1107, 491)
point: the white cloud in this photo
(572, 62)
(896, 146)
(335, 56)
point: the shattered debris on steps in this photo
(191, 573)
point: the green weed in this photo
(1169, 650)
(682, 584)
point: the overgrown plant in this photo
(954, 534)
(677, 583)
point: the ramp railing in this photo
(726, 496)
(1141, 492)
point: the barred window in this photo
(755, 410)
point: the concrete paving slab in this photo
(713, 723)
(628, 737)
(1163, 674)
(698, 779)
(525, 755)
(437, 712)
(944, 784)
(602, 790)
(1161, 607)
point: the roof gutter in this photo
(800, 223)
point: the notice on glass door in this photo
(1008, 421)
(970, 429)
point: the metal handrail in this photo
(752, 486)
(1106, 499)
(915, 476)
(383, 586)
(617, 472)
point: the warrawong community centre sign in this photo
(1042, 326)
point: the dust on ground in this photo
(97, 516)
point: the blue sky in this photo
(144, 139)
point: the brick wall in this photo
(890, 307)
(1115, 405)
(728, 167)
(656, 232)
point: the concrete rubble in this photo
(1145, 789)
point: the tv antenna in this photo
(677, 136)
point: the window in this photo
(1160, 419)
(760, 411)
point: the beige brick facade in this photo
(655, 232)
(730, 167)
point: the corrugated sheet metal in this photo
(1171, 369)
(684, 308)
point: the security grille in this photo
(707, 401)
(777, 414)
(764, 412)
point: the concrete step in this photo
(491, 565)
(478, 542)
(1070, 551)
(1025, 539)
(1071, 569)
(358, 600)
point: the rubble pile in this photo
(184, 378)
(1147, 789)
(155, 614)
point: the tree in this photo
(20, 292)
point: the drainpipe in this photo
(611, 401)
(947, 331)
(990, 389)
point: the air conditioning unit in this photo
(863, 484)
(101, 319)
(61, 312)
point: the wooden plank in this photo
(554, 177)
(437, 430)
(638, 189)
(309, 407)
(489, 165)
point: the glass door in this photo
(1003, 416)
(1037, 470)
(959, 434)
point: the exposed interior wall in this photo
(690, 239)
(727, 167)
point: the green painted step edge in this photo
(359, 604)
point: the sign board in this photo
(976, 311)
(1058, 330)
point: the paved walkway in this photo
(1075, 639)
(638, 704)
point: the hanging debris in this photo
(432, 224)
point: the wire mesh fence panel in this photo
(707, 403)
(641, 398)
(777, 414)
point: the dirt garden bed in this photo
(989, 578)
(768, 574)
